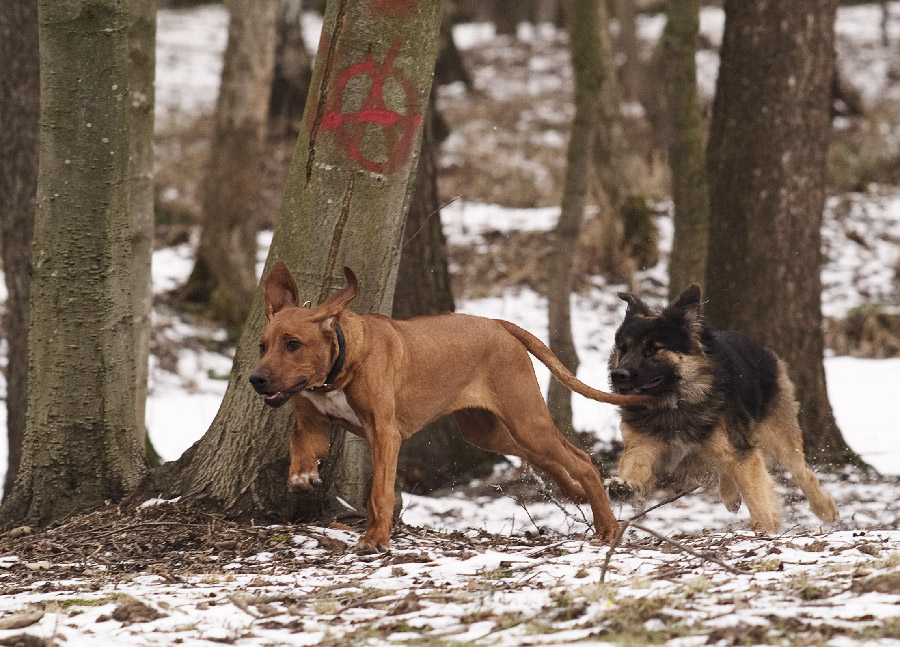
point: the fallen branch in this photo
(686, 549)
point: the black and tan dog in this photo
(725, 406)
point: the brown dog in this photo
(384, 379)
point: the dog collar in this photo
(339, 362)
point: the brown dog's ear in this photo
(635, 305)
(335, 305)
(280, 290)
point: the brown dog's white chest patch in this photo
(334, 404)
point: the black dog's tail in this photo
(540, 350)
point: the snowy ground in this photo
(483, 566)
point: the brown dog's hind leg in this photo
(542, 445)
(484, 430)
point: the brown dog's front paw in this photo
(619, 490)
(304, 481)
(367, 546)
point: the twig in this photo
(430, 215)
(612, 549)
(684, 548)
(662, 503)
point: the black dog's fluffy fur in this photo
(724, 405)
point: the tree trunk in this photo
(437, 456)
(224, 274)
(19, 106)
(590, 52)
(344, 203)
(766, 159)
(627, 43)
(507, 14)
(690, 192)
(292, 73)
(80, 447)
(142, 63)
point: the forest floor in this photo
(499, 562)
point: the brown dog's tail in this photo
(540, 350)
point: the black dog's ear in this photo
(689, 300)
(686, 308)
(635, 305)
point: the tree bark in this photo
(591, 50)
(19, 108)
(142, 64)
(345, 202)
(292, 73)
(766, 160)
(690, 192)
(80, 447)
(224, 274)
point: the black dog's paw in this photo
(619, 490)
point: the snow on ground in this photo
(480, 574)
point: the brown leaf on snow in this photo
(132, 611)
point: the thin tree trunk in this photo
(687, 160)
(292, 73)
(506, 15)
(142, 63)
(766, 158)
(628, 44)
(19, 107)
(345, 202)
(590, 50)
(224, 274)
(80, 447)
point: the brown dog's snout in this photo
(259, 380)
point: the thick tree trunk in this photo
(766, 160)
(591, 50)
(292, 73)
(224, 274)
(19, 106)
(80, 447)
(142, 63)
(687, 160)
(345, 201)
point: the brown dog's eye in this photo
(292, 344)
(650, 350)
(262, 349)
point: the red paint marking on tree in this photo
(351, 127)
